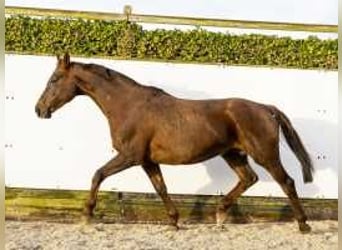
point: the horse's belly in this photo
(190, 139)
(185, 152)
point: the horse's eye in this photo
(55, 78)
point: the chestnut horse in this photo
(151, 127)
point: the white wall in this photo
(65, 151)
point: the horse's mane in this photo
(110, 74)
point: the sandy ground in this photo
(253, 236)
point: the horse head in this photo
(61, 88)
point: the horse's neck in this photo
(113, 98)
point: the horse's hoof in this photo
(304, 228)
(175, 227)
(220, 227)
(86, 220)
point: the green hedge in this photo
(129, 40)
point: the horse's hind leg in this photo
(238, 161)
(154, 173)
(287, 184)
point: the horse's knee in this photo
(290, 182)
(289, 188)
(98, 176)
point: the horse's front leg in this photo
(154, 173)
(117, 164)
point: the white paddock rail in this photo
(65, 151)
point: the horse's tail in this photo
(295, 144)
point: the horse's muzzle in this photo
(46, 114)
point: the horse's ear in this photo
(58, 57)
(66, 60)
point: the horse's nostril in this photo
(37, 111)
(48, 114)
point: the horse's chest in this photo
(123, 137)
